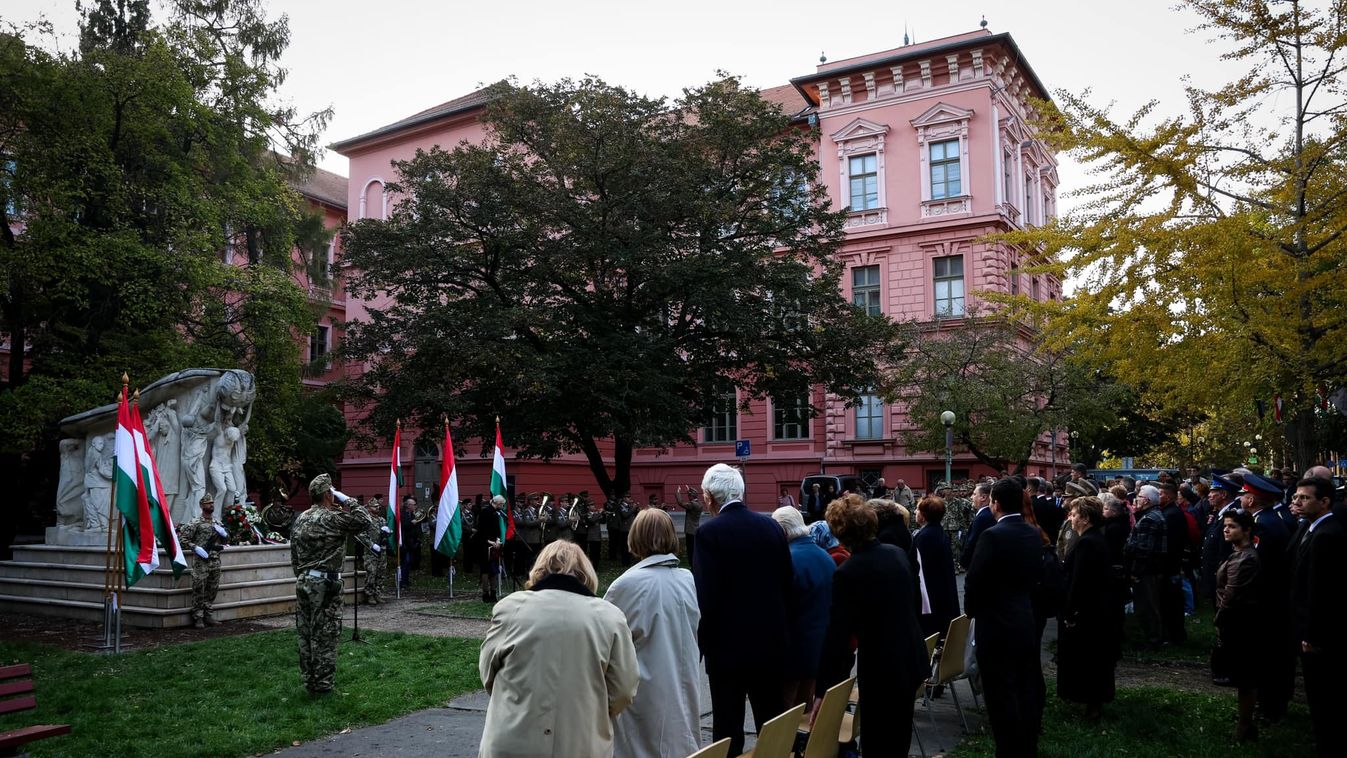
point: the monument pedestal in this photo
(67, 581)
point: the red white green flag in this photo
(131, 499)
(499, 483)
(448, 520)
(393, 513)
(165, 535)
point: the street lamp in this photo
(947, 418)
(1075, 445)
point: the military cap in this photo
(1257, 485)
(1082, 488)
(1221, 483)
(207, 499)
(320, 484)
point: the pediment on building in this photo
(859, 129)
(942, 113)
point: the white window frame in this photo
(383, 197)
(962, 278)
(940, 123)
(874, 419)
(877, 288)
(862, 137)
(731, 416)
(803, 424)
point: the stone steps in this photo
(66, 581)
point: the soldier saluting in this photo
(317, 552)
(205, 538)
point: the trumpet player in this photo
(595, 516)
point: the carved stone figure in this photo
(70, 487)
(97, 482)
(196, 421)
(196, 429)
(165, 433)
(222, 465)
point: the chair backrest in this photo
(931, 642)
(823, 735)
(777, 737)
(951, 661)
(714, 750)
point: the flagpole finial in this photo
(125, 379)
(135, 396)
(120, 397)
(498, 419)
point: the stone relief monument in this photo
(197, 426)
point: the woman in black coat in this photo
(932, 558)
(873, 602)
(1089, 635)
(892, 520)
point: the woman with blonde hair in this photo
(558, 656)
(660, 603)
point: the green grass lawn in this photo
(1150, 721)
(231, 696)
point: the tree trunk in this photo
(596, 465)
(1300, 438)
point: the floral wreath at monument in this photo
(241, 520)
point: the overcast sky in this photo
(378, 61)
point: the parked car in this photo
(833, 485)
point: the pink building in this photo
(929, 147)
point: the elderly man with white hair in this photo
(1146, 553)
(743, 573)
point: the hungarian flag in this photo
(394, 513)
(448, 521)
(165, 535)
(498, 484)
(1277, 408)
(131, 499)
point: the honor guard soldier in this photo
(205, 538)
(317, 552)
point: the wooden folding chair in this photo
(776, 739)
(826, 730)
(950, 668)
(714, 750)
(931, 642)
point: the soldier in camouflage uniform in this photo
(959, 512)
(317, 551)
(376, 563)
(204, 537)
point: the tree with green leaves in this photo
(602, 269)
(1005, 394)
(133, 169)
(1210, 250)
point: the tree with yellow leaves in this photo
(1210, 250)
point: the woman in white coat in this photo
(558, 663)
(660, 602)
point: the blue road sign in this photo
(742, 448)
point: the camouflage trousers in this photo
(205, 585)
(376, 568)
(318, 622)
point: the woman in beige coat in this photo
(558, 663)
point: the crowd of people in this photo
(780, 608)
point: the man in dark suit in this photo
(1046, 512)
(1276, 663)
(1171, 599)
(1319, 566)
(982, 520)
(814, 504)
(743, 572)
(1007, 565)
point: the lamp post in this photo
(1075, 437)
(947, 418)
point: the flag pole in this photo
(397, 513)
(433, 547)
(112, 612)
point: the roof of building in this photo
(922, 50)
(458, 105)
(792, 103)
(325, 187)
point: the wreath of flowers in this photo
(241, 519)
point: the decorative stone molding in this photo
(925, 73)
(977, 63)
(953, 61)
(824, 96)
(934, 208)
(898, 84)
(845, 84)
(871, 217)
(869, 77)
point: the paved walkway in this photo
(455, 730)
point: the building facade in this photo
(929, 148)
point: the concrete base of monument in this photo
(67, 581)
